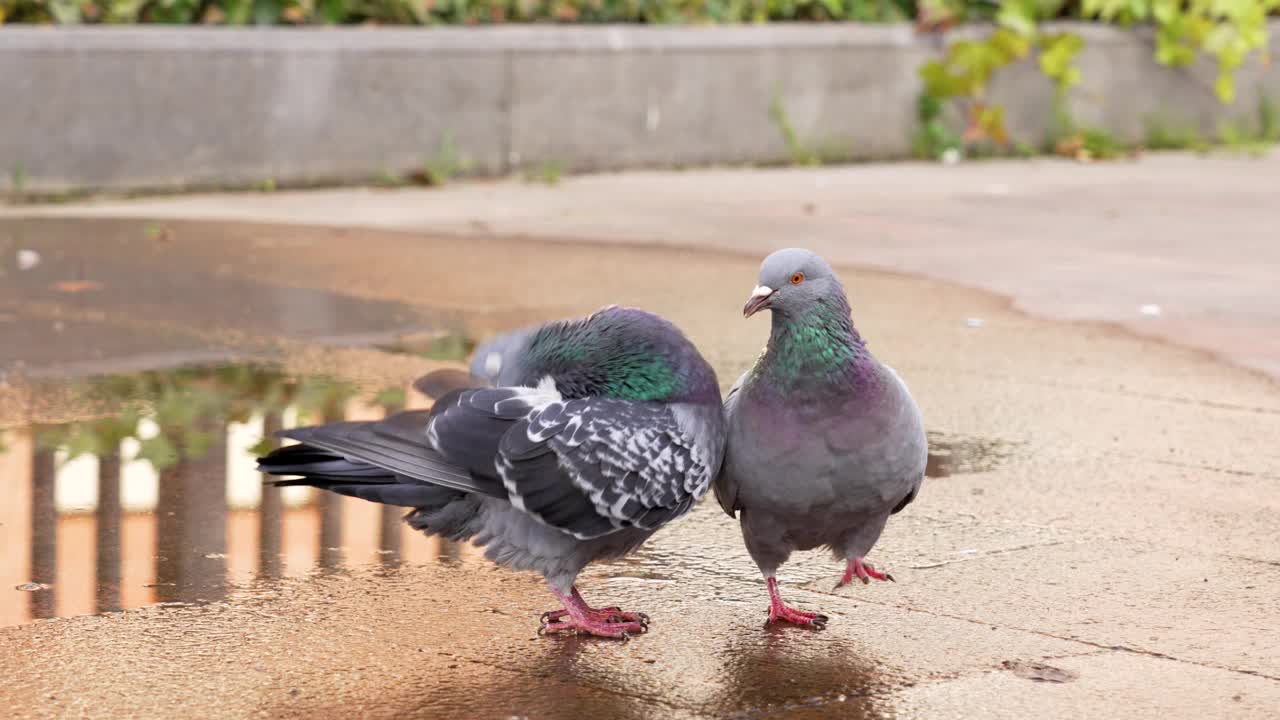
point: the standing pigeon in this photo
(824, 441)
(610, 427)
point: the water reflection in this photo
(786, 672)
(957, 455)
(157, 499)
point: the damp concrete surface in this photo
(1096, 537)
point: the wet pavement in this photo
(1175, 246)
(1097, 535)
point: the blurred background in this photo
(133, 96)
(1057, 219)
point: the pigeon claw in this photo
(580, 619)
(618, 616)
(784, 613)
(594, 627)
(863, 571)
(612, 615)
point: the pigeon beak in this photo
(758, 301)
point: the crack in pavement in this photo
(979, 554)
(1047, 634)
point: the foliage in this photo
(1256, 137)
(932, 139)
(1164, 134)
(191, 406)
(964, 73)
(18, 179)
(548, 173)
(444, 165)
(1268, 119)
(450, 346)
(1228, 30)
(464, 12)
(799, 153)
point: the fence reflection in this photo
(160, 500)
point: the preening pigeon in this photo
(501, 353)
(485, 369)
(605, 429)
(824, 441)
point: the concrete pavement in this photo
(1097, 539)
(1191, 237)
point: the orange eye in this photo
(797, 278)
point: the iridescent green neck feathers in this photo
(817, 345)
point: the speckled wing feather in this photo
(588, 467)
(632, 461)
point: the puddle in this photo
(452, 346)
(105, 293)
(960, 455)
(155, 498)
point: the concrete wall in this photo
(155, 107)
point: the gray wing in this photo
(396, 446)
(726, 487)
(593, 466)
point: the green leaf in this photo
(82, 442)
(1057, 55)
(1225, 87)
(65, 12)
(938, 81)
(1165, 11)
(262, 447)
(928, 107)
(333, 11)
(158, 451)
(238, 12)
(267, 12)
(390, 397)
(1008, 46)
(197, 443)
(1018, 16)
(834, 8)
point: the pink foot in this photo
(577, 616)
(593, 626)
(780, 611)
(609, 615)
(861, 570)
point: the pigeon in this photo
(610, 427)
(485, 368)
(491, 358)
(824, 442)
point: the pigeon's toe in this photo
(620, 630)
(551, 615)
(787, 614)
(613, 615)
(862, 570)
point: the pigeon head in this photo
(792, 280)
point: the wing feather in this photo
(618, 463)
(726, 486)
